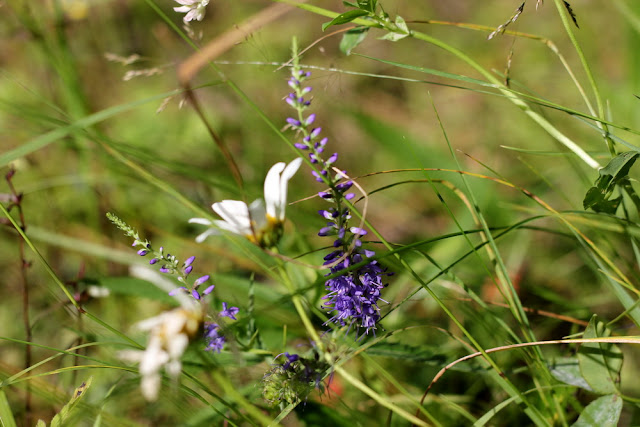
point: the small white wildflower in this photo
(170, 333)
(194, 9)
(98, 291)
(261, 221)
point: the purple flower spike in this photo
(300, 146)
(153, 261)
(189, 261)
(293, 122)
(314, 133)
(195, 294)
(188, 270)
(310, 119)
(208, 290)
(229, 312)
(215, 342)
(333, 158)
(356, 230)
(349, 196)
(200, 281)
(326, 231)
(143, 252)
(290, 359)
(176, 290)
(164, 269)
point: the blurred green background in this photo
(63, 61)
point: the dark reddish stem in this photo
(16, 202)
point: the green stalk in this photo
(585, 65)
(379, 399)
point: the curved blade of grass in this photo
(57, 134)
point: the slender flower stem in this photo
(380, 399)
(297, 303)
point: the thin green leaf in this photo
(345, 18)
(59, 133)
(6, 416)
(368, 5)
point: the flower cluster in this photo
(292, 381)
(355, 293)
(168, 263)
(169, 336)
(262, 222)
(194, 9)
(171, 331)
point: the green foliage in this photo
(492, 249)
(600, 363)
(603, 412)
(614, 175)
(6, 416)
(61, 417)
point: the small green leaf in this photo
(368, 5)
(602, 412)
(567, 370)
(401, 24)
(401, 30)
(615, 173)
(78, 394)
(41, 423)
(394, 37)
(600, 363)
(352, 38)
(345, 18)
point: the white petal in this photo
(236, 216)
(173, 368)
(272, 189)
(177, 345)
(258, 214)
(132, 356)
(203, 236)
(186, 2)
(149, 386)
(203, 221)
(182, 9)
(287, 174)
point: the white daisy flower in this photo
(261, 221)
(170, 333)
(194, 9)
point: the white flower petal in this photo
(150, 385)
(258, 214)
(203, 236)
(203, 221)
(287, 174)
(182, 9)
(272, 189)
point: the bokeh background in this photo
(63, 61)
